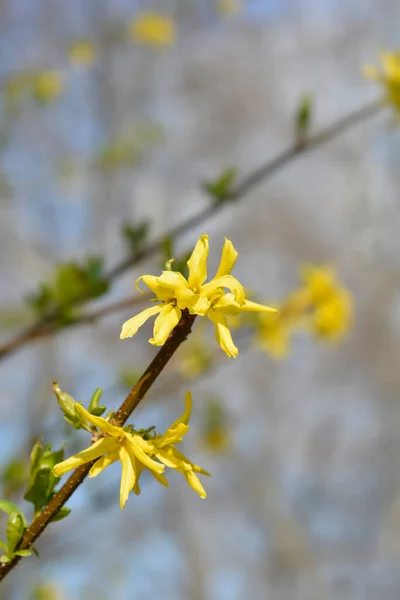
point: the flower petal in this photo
(168, 458)
(227, 304)
(139, 468)
(172, 435)
(160, 478)
(102, 463)
(153, 284)
(102, 446)
(98, 422)
(195, 483)
(223, 334)
(131, 326)
(228, 259)
(194, 467)
(134, 449)
(184, 418)
(177, 287)
(201, 306)
(128, 476)
(229, 282)
(165, 322)
(197, 263)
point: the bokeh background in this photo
(304, 501)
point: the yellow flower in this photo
(177, 293)
(47, 85)
(135, 451)
(152, 28)
(82, 53)
(388, 76)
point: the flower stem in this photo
(39, 524)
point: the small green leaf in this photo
(4, 546)
(5, 559)
(303, 118)
(35, 552)
(62, 513)
(94, 407)
(221, 189)
(15, 530)
(42, 481)
(22, 553)
(8, 507)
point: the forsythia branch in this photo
(177, 337)
(43, 327)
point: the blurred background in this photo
(113, 115)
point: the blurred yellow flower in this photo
(82, 53)
(153, 28)
(331, 305)
(47, 85)
(319, 304)
(177, 293)
(332, 319)
(136, 450)
(229, 7)
(388, 76)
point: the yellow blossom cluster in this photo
(175, 293)
(220, 299)
(320, 304)
(136, 451)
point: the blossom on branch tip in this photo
(176, 293)
(388, 76)
(136, 450)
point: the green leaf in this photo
(94, 407)
(4, 546)
(8, 507)
(42, 481)
(35, 552)
(303, 118)
(5, 559)
(72, 283)
(15, 530)
(221, 189)
(62, 513)
(22, 553)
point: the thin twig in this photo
(47, 326)
(177, 337)
(36, 332)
